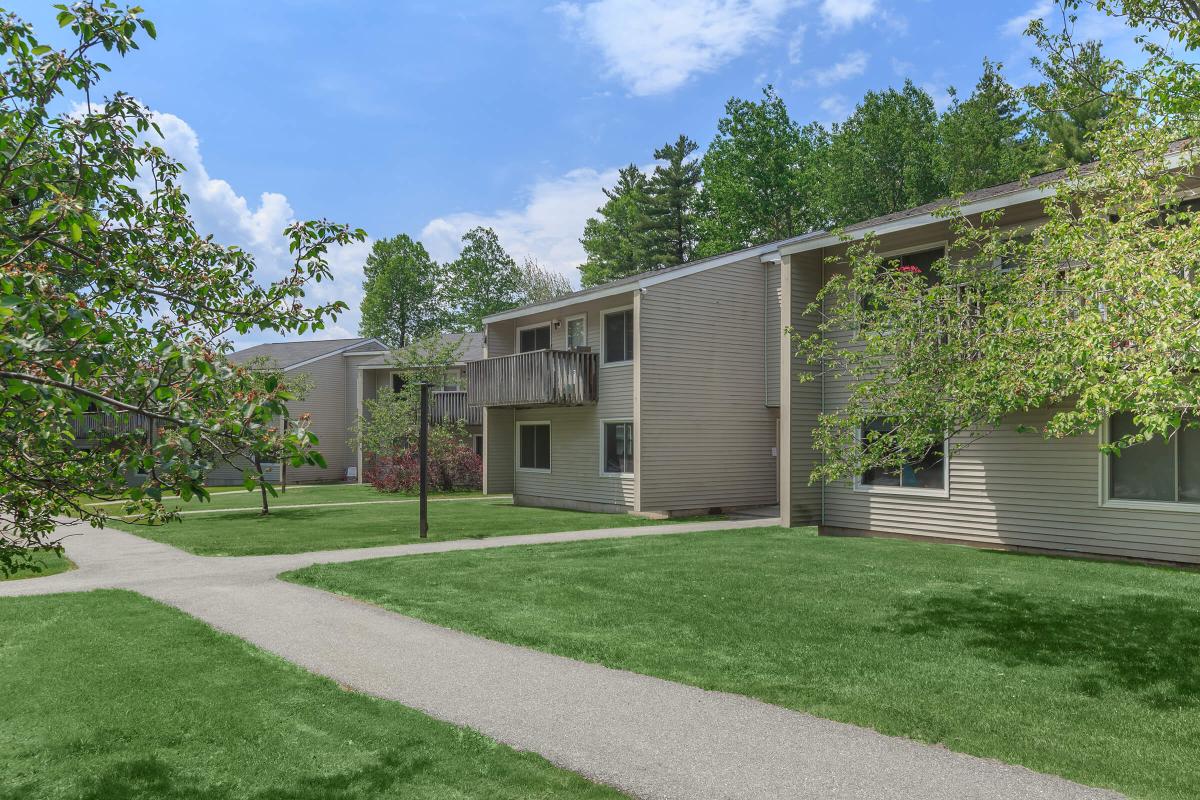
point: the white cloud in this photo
(1017, 25)
(655, 47)
(258, 227)
(853, 65)
(796, 44)
(843, 14)
(546, 227)
(836, 107)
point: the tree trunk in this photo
(262, 484)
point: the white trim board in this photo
(650, 279)
(337, 352)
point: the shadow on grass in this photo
(1145, 644)
(151, 778)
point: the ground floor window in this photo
(534, 445)
(926, 473)
(618, 448)
(478, 442)
(1160, 470)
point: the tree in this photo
(759, 177)
(1097, 315)
(670, 207)
(615, 242)
(389, 429)
(539, 284)
(1073, 103)
(110, 300)
(483, 280)
(883, 158)
(987, 139)
(258, 373)
(400, 292)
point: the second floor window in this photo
(618, 336)
(534, 339)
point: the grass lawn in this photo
(237, 497)
(47, 562)
(373, 524)
(110, 695)
(1084, 669)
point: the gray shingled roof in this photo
(285, 354)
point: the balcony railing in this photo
(540, 378)
(108, 423)
(446, 406)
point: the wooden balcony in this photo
(528, 380)
(105, 423)
(452, 407)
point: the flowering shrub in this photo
(453, 466)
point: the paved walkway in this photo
(649, 737)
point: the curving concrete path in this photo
(649, 737)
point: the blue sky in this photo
(430, 117)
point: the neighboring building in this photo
(346, 373)
(662, 394)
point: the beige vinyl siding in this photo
(772, 329)
(806, 275)
(502, 336)
(575, 476)
(706, 435)
(498, 453)
(1012, 489)
(1019, 490)
(326, 403)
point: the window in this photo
(925, 474)
(618, 448)
(478, 441)
(923, 261)
(618, 336)
(534, 339)
(534, 446)
(397, 382)
(576, 333)
(1158, 471)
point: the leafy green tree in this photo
(259, 373)
(539, 284)
(987, 139)
(1073, 103)
(401, 301)
(392, 421)
(671, 199)
(110, 300)
(483, 280)
(759, 181)
(883, 158)
(1097, 313)
(616, 241)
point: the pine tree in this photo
(615, 242)
(671, 200)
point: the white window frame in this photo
(567, 329)
(916, 248)
(550, 340)
(1104, 493)
(604, 362)
(911, 491)
(603, 423)
(477, 443)
(517, 446)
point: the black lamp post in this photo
(423, 451)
